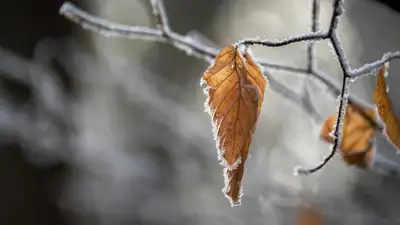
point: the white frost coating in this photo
(340, 120)
(159, 12)
(234, 165)
(241, 49)
(332, 51)
(340, 9)
(386, 74)
(257, 38)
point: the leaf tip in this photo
(233, 188)
(233, 202)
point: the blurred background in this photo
(107, 131)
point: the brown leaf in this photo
(385, 110)
(235, 90)
(356, 136)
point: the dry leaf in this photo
(309, 216)
(356, 136)
(385, 110)
(235, 90)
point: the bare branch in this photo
(374, 65)
(161, 17)
(358, 104)
(314, 28)
(184, 43)
(338, 131)
(105, 27)
(337, 12)
(344, 64)
(344, 92)
(315, 14)
(204, 51)
(314, 36)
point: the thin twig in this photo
(358, 104)
(344, 92)
(337, 12)
(105, 27)
(374, 65)
(314, 36)
(341, 57)
(161, 16)
(338, 131)
(184, 43)
(314, 28)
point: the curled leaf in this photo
(235, 90)
(384, 105)
(356, 136)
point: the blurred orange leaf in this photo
(385, 110)
(309, 216)
(235, 90)
(356, 136)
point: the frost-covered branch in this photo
(186, 43)
(314, 36)
(160, 16)
(314, 28)
(344, 91)
(337, 12)
(374, 65)
(195, 48)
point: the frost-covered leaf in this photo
(356, 136)
(384, 105)
(235, 91)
